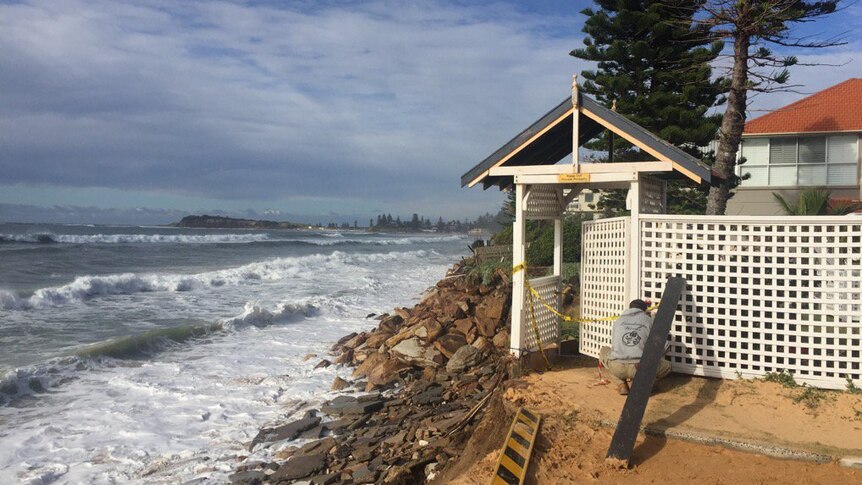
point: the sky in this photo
(311, 111)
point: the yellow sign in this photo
(573, 178)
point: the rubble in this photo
(428, 371)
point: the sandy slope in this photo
(573, 440)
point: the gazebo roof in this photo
(549, 139)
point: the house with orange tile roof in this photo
(814, 142)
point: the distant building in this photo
(814, 142)
(585, 203)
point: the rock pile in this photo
(427, 373)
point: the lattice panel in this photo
(653, 195)
(548, 323)
(604, 266)
(543, 202)
(764, 294)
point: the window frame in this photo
(768, 165)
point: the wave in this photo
(322, 239)
(147, 343)
(84, 288)
(47, 238)
(39, 379)
(400, 241)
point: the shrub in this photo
(782, 377)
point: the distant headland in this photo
(221, 222)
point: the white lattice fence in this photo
(547, 322)
(764, 294)
(604, 269)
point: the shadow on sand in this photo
(652, 444)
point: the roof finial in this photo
(574, 90)
(614, 106)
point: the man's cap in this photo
(639, 304)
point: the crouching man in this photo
(628, 337)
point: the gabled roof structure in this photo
(549, 139)
(835, 109)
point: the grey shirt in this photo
(629, 335)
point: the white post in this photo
(634, 269)
(519, 256)
(558, 246)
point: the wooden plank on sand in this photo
(629, 424)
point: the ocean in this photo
(154, 354)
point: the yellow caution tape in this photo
(519, 267)
(566, 318)
(538, 336)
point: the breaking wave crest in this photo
(39, 379)
(84, 288)
(323, 239)
(398, 241)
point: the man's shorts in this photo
(625, 370)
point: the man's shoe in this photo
(623, 389)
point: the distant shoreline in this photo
(221, 222)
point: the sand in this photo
(579, 418)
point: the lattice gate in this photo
(547, 323)
(604, 279)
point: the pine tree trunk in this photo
(732, 125)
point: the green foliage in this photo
(811, 202)
(810, 397)
(486, 271)
(612, 203)
(843, 207)
(502, 237)
(816, 202)
(852, 388)
(782, 377)
(571, 273)
(655, 63)
(570, 330)
(541, 239)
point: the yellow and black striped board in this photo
(512, 465)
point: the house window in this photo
(808, 161)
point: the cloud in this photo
(380, 101)
(272, 105)
(66, 214)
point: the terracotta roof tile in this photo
(838, 108)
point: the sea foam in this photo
(47, 238)
(39, 378)
(87, 287)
